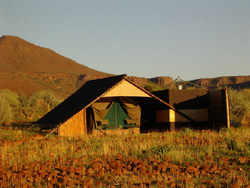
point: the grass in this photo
(227, 149)
(180, 146)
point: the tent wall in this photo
(149, 109)
(75, 126)
(125, 88)
(209, 109)
(219, 108)
(193, 103)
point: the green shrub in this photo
(20, 107)
(5, 111)
(161, 150)
(239, 104)
(10, 97)
(151, 86)
(24, 100)
(45, 98)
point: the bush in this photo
(10, 97)
(150, 86)
(20, 107)
(24, 100)
(246, 120)
(161, 150)
(239, 104)
(46, 99)
(5, 111)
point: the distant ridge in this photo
(235, 82)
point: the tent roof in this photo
(84, 97)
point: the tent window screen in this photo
(117, 113)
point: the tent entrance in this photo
(116, 113)
(116, 116)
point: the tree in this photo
(44, 98)
(10, 97)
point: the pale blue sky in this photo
(147, 38)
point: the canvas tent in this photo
(109, 105)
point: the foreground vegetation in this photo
(22, 108)
(239, 104)
(183, 159)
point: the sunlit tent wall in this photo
(113, 105)
(207, 108)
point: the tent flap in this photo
(101, 108)
(116, 113)
(133, 110)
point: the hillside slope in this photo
(28, 68)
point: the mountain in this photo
(29, 68)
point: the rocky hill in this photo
(28, 68)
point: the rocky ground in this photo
(183, 159)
